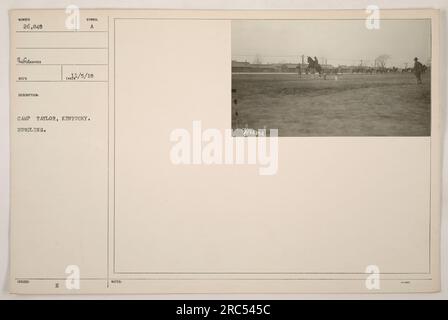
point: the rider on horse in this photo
(314, 65)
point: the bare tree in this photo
(381, 61)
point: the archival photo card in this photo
(152, 175)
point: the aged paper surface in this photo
(96, 196)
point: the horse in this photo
(313, 65)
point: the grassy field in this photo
(352, 105)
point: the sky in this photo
(341, 42)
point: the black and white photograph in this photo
(332, 77)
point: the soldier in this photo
(418, 69)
